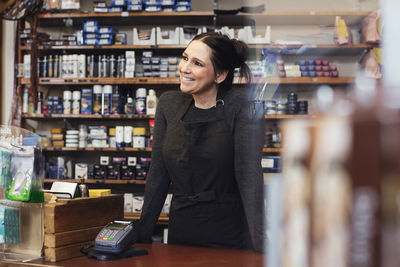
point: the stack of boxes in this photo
(130, 64)
(113, 168)
(307, 68)
(157, 66)
(97, 136)
(57, 137)
(94, 34)
(139, 5)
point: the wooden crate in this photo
(70, 224)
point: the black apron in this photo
(206, 208)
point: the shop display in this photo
(109, 168)
(290, 106)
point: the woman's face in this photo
(196, 70)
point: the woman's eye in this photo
(184, 58)
(198, 64)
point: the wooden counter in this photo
(166, 256)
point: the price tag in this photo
(124, 14)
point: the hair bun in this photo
(242, 52)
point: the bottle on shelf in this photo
(140, 101)
(130, 105)
(25, 100)
(97, 99)
(107, 100)
(39, 103)
(151, 102)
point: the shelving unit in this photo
(195, 18)
(175, 81)
(87, 116)
(95, 181)
(95, 149)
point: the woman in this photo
(209, 149)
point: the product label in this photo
(140, 106)
(138, 142)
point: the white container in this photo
(97, 99)
(27, 66)
(151, 41)
(246, 35)
(119, 135)
(82, 66)
(141, 100)
(128, 131)
(107, 99)
(151, 102)
(64, 66)
(172, 40)
(185, 40)
(74, 67)
(76, 102)
(67, 102)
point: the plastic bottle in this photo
(39, 103)
(67, 103)
(151, 102)
(27, 66)
(128, 136)
(107, 99)
(119, 136)
(50, 66)
(116, 102)
(130, 106)
(44, 67)
(97, 99)
(56, 66)
(64, 66)
(76, 102)
(25, 100)
(113, 69)
(81, 66)
(140, 101)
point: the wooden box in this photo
(70, 224)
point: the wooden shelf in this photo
(163, 219)
(284, 117)
(95, 181)
(299, 17)
(87, 81)
(205, 18)
(92, 149)
(89, 116)
(310, 49)
(129, 18)
(123, 14)
(304, 80)
(111, 47)
(272, 150)
(175, 80)
(316, 49)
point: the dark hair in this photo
(227, 54)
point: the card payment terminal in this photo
(115, 241)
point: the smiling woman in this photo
(208, 146)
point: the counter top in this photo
(165, 256)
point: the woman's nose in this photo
(184, 66)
